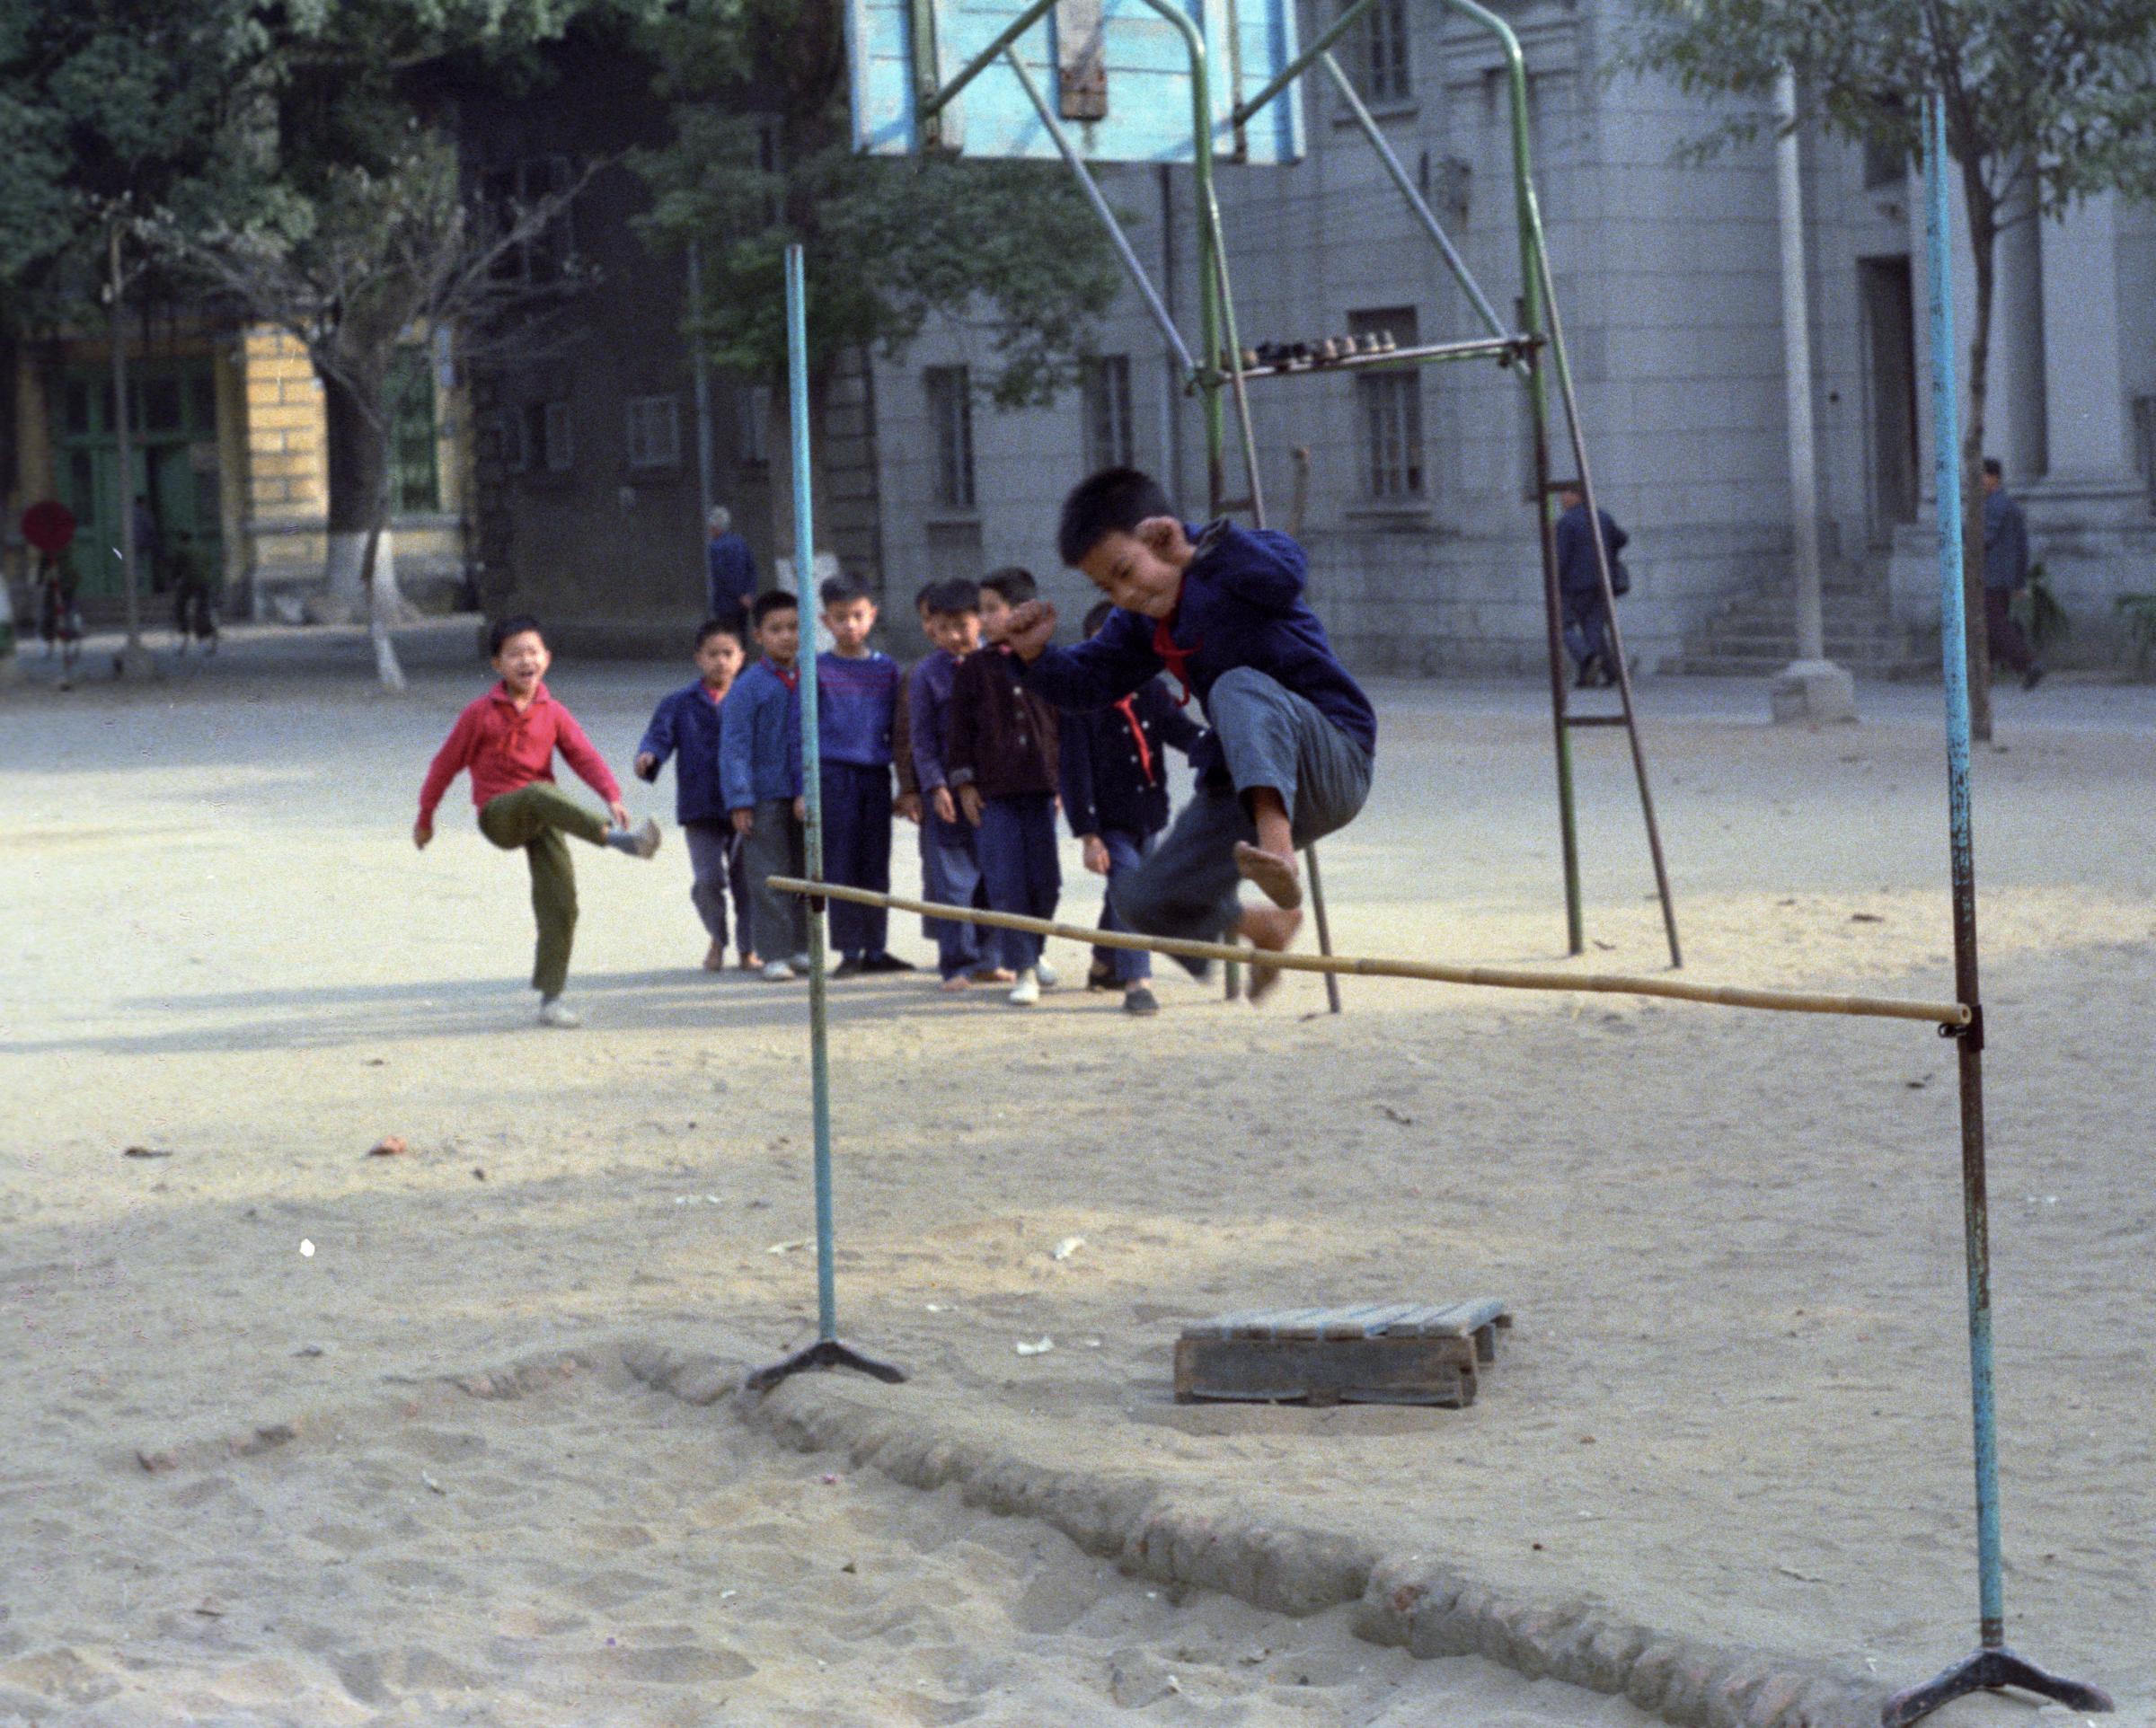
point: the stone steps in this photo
(1755, 635)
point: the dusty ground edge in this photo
(1406, 1602)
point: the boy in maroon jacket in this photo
(1002, 758)
(507, 739)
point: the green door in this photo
(174, 425)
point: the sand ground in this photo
(1733, 1404)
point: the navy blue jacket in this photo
(729, 576)
(686, 725)
(1241, 605)
(1109, 783)
(760, 745)
(1575, 568)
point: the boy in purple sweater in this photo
(1288, 759)
(856, 690)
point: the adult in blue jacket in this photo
(1579, 585)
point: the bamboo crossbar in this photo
(1607, 983)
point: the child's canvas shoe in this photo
(1026, 992)
(1138, 1000)
(777, 972)
(799, 965)
(1046, 974)
(554, 1012)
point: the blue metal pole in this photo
(1946, 427)
(812, 789)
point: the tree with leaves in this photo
(2045, 104)
(108, 107)
(762, 157)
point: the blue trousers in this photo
(1269, 737)
(1020, 868)
(1125, 852)
(1586, 624)
(951, 872)
(716, 865)
(857, 852)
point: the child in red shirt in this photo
(507, 739)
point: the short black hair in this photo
(1098, 617)
(953, 597)
(1114, 500)
(1992, 467)
(711, 627)
(1571, 485)
(1015, 584)
(923, 595)
(836, 590)
(514, 624)
(772, 600)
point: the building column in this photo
(2021, 439)
(2085, 410)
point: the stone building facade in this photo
(1667, 276)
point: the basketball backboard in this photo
(1116, 71)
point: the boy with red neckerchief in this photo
(1114, 775)
(507, 740)
(1289, 757)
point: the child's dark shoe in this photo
(1138, 1000)
(851, 966)
(885, 961)
(1100, 975)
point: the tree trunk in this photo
(362, 582)
(378, 582)
(1983, 247)
(134, 659)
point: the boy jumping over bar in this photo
(1289, 756)
(508, 739)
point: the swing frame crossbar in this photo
(1533, 347)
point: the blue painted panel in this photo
(1149, 120)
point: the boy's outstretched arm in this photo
(1100, 670)
(657, 744)
(449, 760)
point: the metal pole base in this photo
(1988, 1670)
(825, 1352)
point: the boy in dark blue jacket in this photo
(856, 700)
(1114, 775)
(760, 777)
(1289, 757)
(684, 726)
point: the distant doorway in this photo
(173, 423)
(1889, 311)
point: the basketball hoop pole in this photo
(826, 1352)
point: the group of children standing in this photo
(986, 736)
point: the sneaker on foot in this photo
(1045, 973)
(714, 958)
(1026, 992)
(884, 960)
(777, 972)
(554, 1011)
(851, 966)
(799, 965)
(1138, 1000)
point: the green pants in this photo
(535, 817)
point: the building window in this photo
(1106, 383)
(950, 435)
(1388, 406)
(1379, 54)
(654, 428)
(509, 194)
(547, 448)
(752, 426)
(415, 474)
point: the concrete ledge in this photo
(1406, 1602)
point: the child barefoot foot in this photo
(714, 958)
(1275, 874)
(955, 983)
(1267, 931)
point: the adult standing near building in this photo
(730, 571)
(2005, 575)
(1579, 585)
